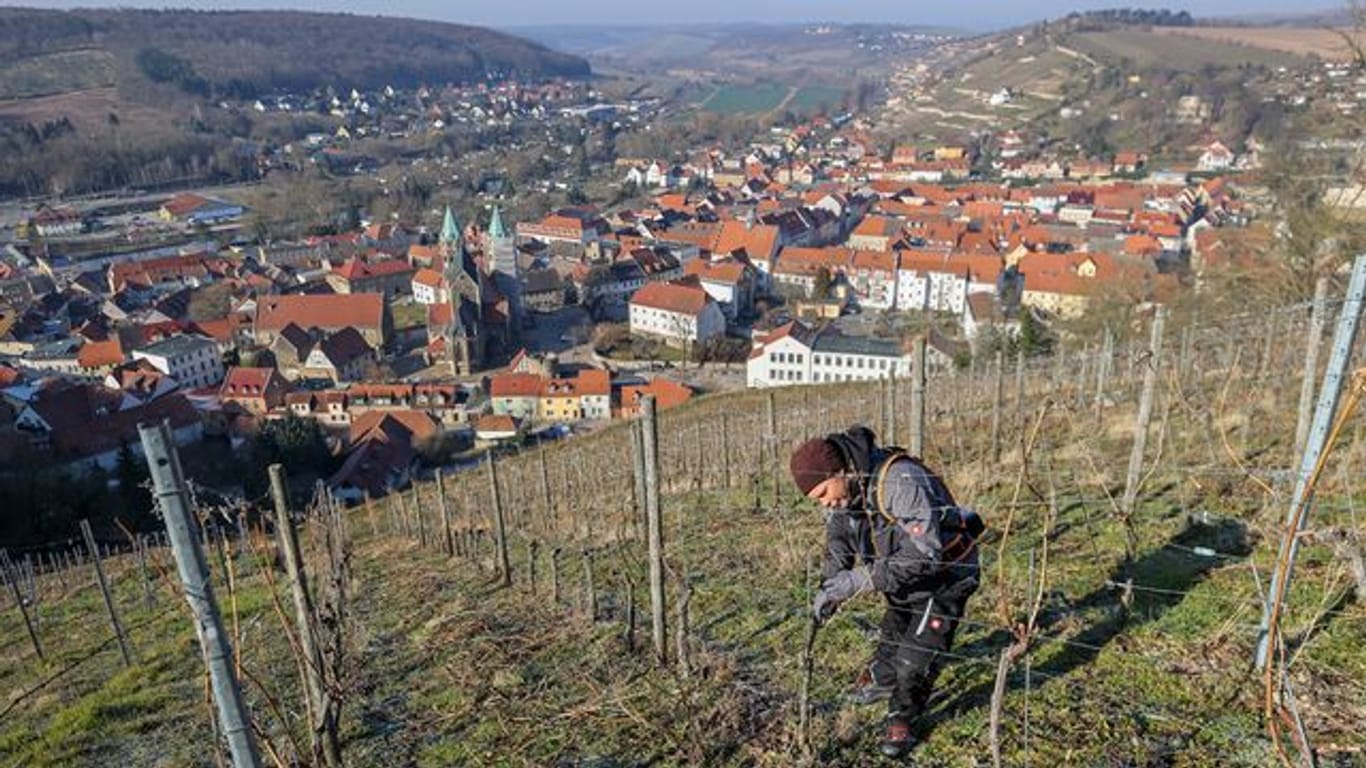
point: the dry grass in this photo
(87, 110)
(1324, 43)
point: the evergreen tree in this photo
(821, 290)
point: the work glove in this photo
(837, 589)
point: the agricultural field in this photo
(756, 99)
(1324, 43)
(87, 110)
(56, 73)
(813, 98)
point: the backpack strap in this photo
(886, 466)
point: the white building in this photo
(795, 354)
(1216, 157)
(191, 360)
(922, 290)
(678, 314)
(427, 286)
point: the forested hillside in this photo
(239, 54)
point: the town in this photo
(808, 253)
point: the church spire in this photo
(450, 230)
(497, 229)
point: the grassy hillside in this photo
(241, 53)
(449, 668)
(1148, 49)
(1117, 82)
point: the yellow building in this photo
(560, 402)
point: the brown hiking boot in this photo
(867, 690)
(897, 741)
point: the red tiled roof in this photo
(671, 297)
(10, 375)
(591, 382)
(495, 423)
(360, 310)
(428, 277)
(98, 354)
(667, 394)
(792, 260)
(246, 382)
(356, 269)
(729, 272)
(515, 385)
(441, 313)
(875, 261)
(759, 241)
(415, 425)
(878, 226)
(184, 203)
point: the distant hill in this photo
(244, 53)
(829, 54)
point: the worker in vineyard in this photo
(893, 527)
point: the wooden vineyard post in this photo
(771, 439)
(447, 537)
(998, 394)
(323, 739)
(918, 381)
(12, 577)
(655, 529)
(590, 598)
(1152, 369)
(109, 606)
(500, 524)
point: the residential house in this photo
(85, 426)
(341, 356)
(140, 382)
(559, 401)
(679, 314)
(193, 361)
(595, 394)
(391, 278)
(798, 268)
(62, 221)
(497, 428)
(730, 282)
(100, 357)
(426, 286)
(258, 391)
(366, 312)
(543, 290)
(567, 225)
(515, 394)
(876, 233)
(872, 275)
(384, 450)
(796, 354)
(666, 392)
(1216, 157)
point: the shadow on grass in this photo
(1164, 574)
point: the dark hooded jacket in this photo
(908, 529)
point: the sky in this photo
(967, 14)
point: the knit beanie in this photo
(815, 461)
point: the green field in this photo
(746, 99)
(816, 98)
(760, 98)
